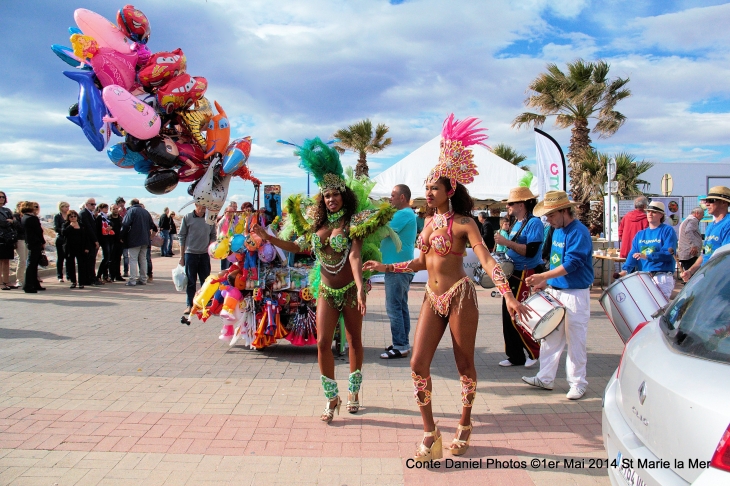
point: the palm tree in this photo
(594, 176)
(628, 174)
(360, 138)
(509, 154)
(584, 92)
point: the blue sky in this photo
(293, 70)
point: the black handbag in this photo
(43, 262)
(8, 236)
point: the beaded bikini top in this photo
(334, 262)
(440, 243)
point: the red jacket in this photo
(632, 223)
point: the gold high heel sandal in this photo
(329, 413)
(458, 446)
(353, 406)
(436, 451)
(354, 387)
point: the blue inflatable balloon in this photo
(91, 110)
(125, 158)
(143, 166)
(74, 30)
(237, 242)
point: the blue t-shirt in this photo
(573, 249)
(716, 235)
(659, 245)
(404, 224)
(532, 234)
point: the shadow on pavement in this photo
(30, 334)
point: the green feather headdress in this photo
(322, 161)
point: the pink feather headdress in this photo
(456, 159)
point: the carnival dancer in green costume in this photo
(336, 229)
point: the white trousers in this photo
(573, 332)
(665, 282)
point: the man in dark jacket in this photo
(166, 249)
(487, 231)
(633, 222)
(89, 224)
(136, 227)
(115, 220)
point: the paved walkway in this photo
(105, 386)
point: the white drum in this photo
(482, 278)
(547, 313)
(631, 300)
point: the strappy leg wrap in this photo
(468, 387)
(330, 388)
(354, 382)
(419, 385)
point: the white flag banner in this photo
(550, 164)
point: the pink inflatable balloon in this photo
(112, 67)
(136, 118)
(104, 32)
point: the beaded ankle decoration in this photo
(468, 387)
(330, 387)
(354, 382)
(419, 385)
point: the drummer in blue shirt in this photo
(524, 248)
(717, 233)
(653, 250)
(569, 278)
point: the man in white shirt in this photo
(690, 239)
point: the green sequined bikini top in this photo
(340, 244)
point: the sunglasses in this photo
(72, 216)
(710, 201)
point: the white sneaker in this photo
(576, 392)
(530, 363)
(535, 381)
(506, 362)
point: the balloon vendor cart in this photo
(264, 295)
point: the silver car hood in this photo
(686, 400)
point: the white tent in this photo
(496, 175)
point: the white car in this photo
(666, 410)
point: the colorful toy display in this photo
(171, 132)
(260, 298)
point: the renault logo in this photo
(642, 392)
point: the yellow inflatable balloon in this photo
(206, 292)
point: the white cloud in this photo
(688, 30)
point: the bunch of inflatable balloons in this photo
(170, 130)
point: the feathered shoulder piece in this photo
(456, 161)
(367, 222)
(322, 161)
(296, 222)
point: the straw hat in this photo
(718, 192)
(554, 201)
(656, 206)
(520, 194)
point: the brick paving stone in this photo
(89, 393)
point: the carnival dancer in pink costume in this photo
(450, 295)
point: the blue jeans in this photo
(166, 248)
(396, 305)
(125, 256)
(197, 267)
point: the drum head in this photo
(548, 323)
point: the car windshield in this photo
(697, 321)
